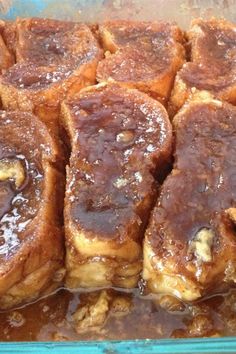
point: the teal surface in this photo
(174, 346)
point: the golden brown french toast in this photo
(189, 249)
(55, 59)
(120, 139)
(213, 63)
(142, 55)
(31, 189)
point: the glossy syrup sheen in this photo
(51, 42)
(18, 204)
(145, 319)
(48, 52)
(213, 56)
(125, 137)
(130, 62)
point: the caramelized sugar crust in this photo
(55, 59)
(142, 55)
(213, 63)
(120, 139)
(190, 243)
(31, 189)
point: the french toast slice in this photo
(142, 55)
(213, 63)
(31, 188)
(53, 42)
(54, 59)
(120, 140)
(190, 243)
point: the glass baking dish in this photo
(181, 11)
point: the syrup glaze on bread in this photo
(213, 63)
(142, 55)
(54, 59)
(190, 243)
(120, 139)
(31, 189)
(122, 146)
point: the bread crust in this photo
(110, 182)
(142, 55)
(212, 67)
(32, 249)
(189, 248)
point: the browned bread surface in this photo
(120, 139)
(31, 187)
(54, 59)
(142, 55)
(190, 244)
(213, 63)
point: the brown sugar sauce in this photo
(51, 318)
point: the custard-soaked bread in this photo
(190, 243)
(54, 59)
(31, 189)
(142, 55)
(120, 139)
(46, 41)
(213, 63)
